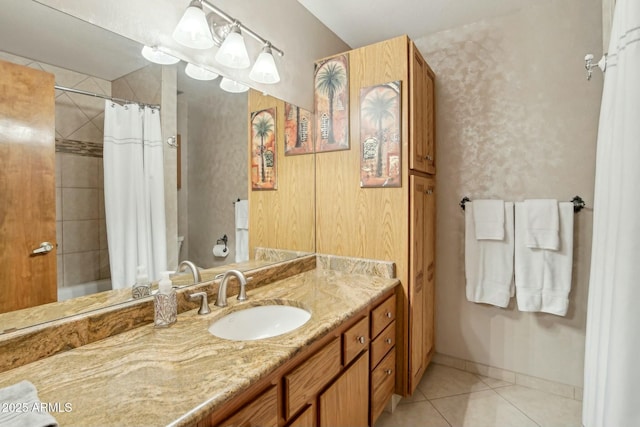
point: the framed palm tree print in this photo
(331, 94)
(298, 130)
(263, 150)
(380, 136)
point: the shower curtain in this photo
(134, 192)
(612, 372)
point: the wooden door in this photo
(417, 236)
(346, 402)
(260, 412)
(27, 187)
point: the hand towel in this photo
(23, 397)
(488, 216)
(242, 230)
(489, 263)
(542, 224)
(543, 277)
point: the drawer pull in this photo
(388, 341)
(362, 340)
(389, 314)
(388, 371)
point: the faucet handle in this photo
(204, 303)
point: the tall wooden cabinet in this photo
(395, 224)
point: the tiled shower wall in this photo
(83, 254)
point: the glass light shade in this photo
(193, 29)
(232, 86)
(158, 57)
(199, 73)
(233, 53)
(265, 70)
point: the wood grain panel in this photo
(261, 412)
(367, 222)
(346, 402)
(282, 218)
(306, 419)
(304, 382)
(27, 186)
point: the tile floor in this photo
(448, 397)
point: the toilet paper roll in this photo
(220, 251)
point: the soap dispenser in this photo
(165, 303)
(142, 287)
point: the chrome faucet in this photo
(194, 270)
(221, 301)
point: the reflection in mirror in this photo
(212, 170)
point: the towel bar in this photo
(578, 203)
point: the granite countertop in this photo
(175, 376)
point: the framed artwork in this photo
(380, 135)
(331, 95)
(298, 130)
(263, 150)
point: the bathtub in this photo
(68, 292)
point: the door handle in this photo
(44, 248)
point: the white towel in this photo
(489, 263)
(542, 224)
(488, 216)
(543, 277)
(21, 407)
(242, 230)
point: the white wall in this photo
(516, 119)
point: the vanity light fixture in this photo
(193, 29)
(265, 70)
(233, 52)
(157, 56)
(232, 86)
(199, 73)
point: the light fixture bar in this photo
(245, 29)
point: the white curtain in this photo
(612, 372)
(134, 192)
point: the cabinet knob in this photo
(429, 191)
(389, 371)
(388, 341)
(361, 340)
(388, 314)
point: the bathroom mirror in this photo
(213, 167)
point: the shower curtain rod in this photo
(110, 98)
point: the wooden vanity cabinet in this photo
(331, 383)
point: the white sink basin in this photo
(259, 322)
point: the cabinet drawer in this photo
(382, 316)
(382, 384)
(355, 340)
(263, 411)
(383, 343)
(304, 382)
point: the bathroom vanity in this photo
(338, 368)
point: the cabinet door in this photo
(346, 402)
(430, 266)
(262, 411)
(422, 265)
(421, 115)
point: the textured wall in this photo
(516, 119)
(217, 175)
